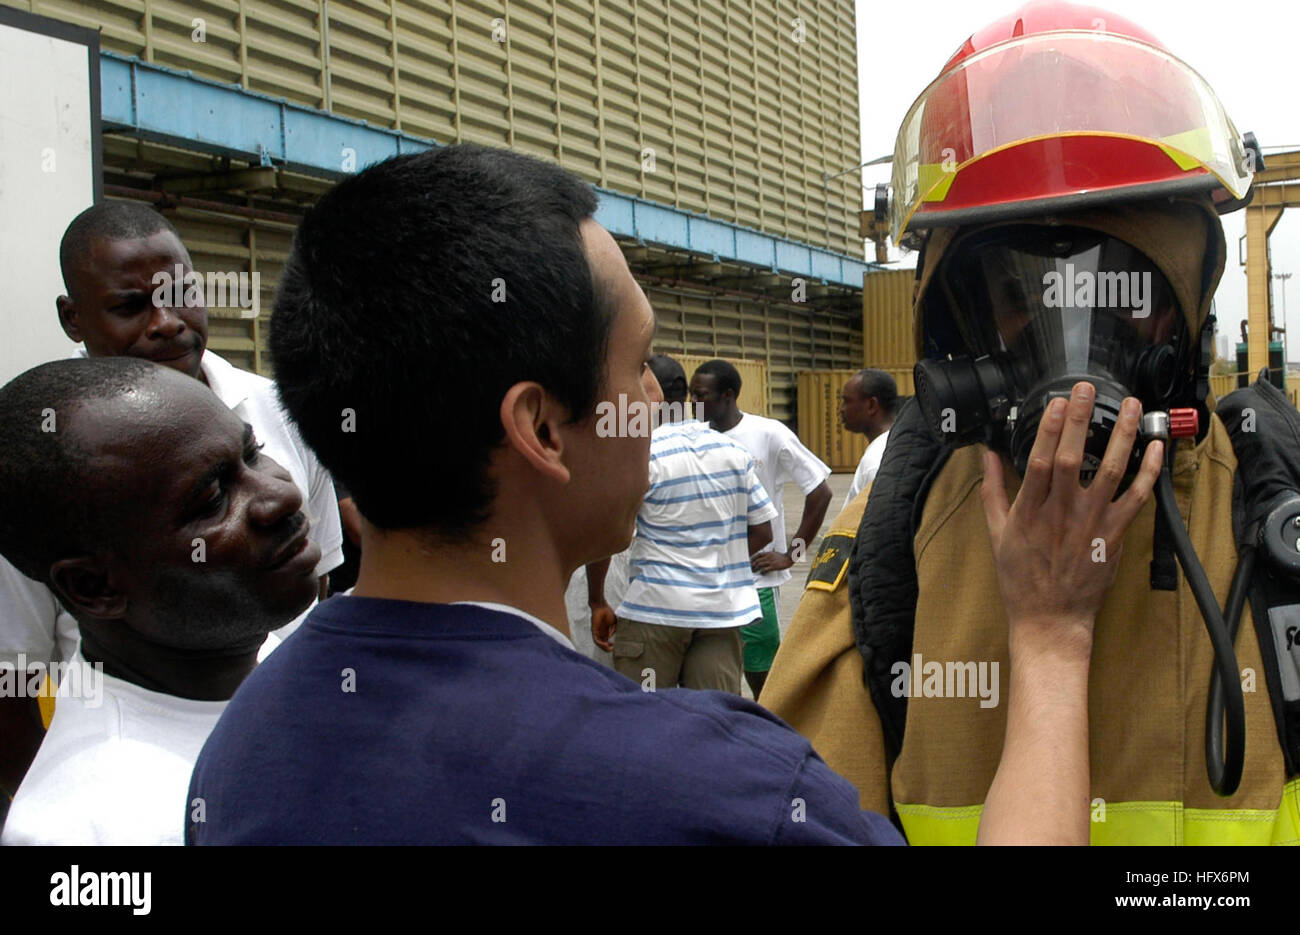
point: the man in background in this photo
(779, 458)
(868, 404)
(691, 588)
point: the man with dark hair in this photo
(868, 404)
(482, 484)
(125, 237)
(726, 378)
(779, 458)
(148, 508)
(690, 588)
(320, 343)
(119, 259)
(672, 384)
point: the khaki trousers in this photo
(660, 656)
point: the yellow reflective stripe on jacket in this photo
(1131, 823)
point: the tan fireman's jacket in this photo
(1150, 676)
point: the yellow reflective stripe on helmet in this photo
(934, 180)
(1189, 150)
(1130, 823)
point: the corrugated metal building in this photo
(711, 127)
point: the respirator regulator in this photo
(1015, 317)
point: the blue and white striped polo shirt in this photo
(689, 562)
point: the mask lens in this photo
(1059, 301)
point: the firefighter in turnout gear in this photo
(1063, 179)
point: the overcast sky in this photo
(1247, 53)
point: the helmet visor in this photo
(1057, 84)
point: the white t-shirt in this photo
(689, 562)
(868, 466)
(779, 458)
(32, 622)
(114, 767)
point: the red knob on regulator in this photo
(1184, 423)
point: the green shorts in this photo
(763, 637)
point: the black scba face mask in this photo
(1022, 313)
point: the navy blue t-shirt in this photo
(390, 722)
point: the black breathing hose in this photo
(1214, 707)
(1225, 773)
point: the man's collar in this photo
(225, 380)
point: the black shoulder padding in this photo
(1265, 432)
(882, 569)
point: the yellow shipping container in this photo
(819, 415)
(887, 319)
(1223, 384)
(819, 420)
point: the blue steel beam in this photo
(195, 113)
(650, 222)
(178, 108)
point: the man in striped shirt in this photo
(690, 587)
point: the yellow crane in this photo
(1277, 187)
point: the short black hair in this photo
(48, 510)
(109, 220)
(727, 376)
(671, 377)
(881, 385)
(416, 293)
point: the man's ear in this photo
(84, 584)
(68, 317)
(534, 422)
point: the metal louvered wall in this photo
(788, 338)
(731, 109)
(238, 245)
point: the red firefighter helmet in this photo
(1055, 107)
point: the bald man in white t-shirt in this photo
(868, 403)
